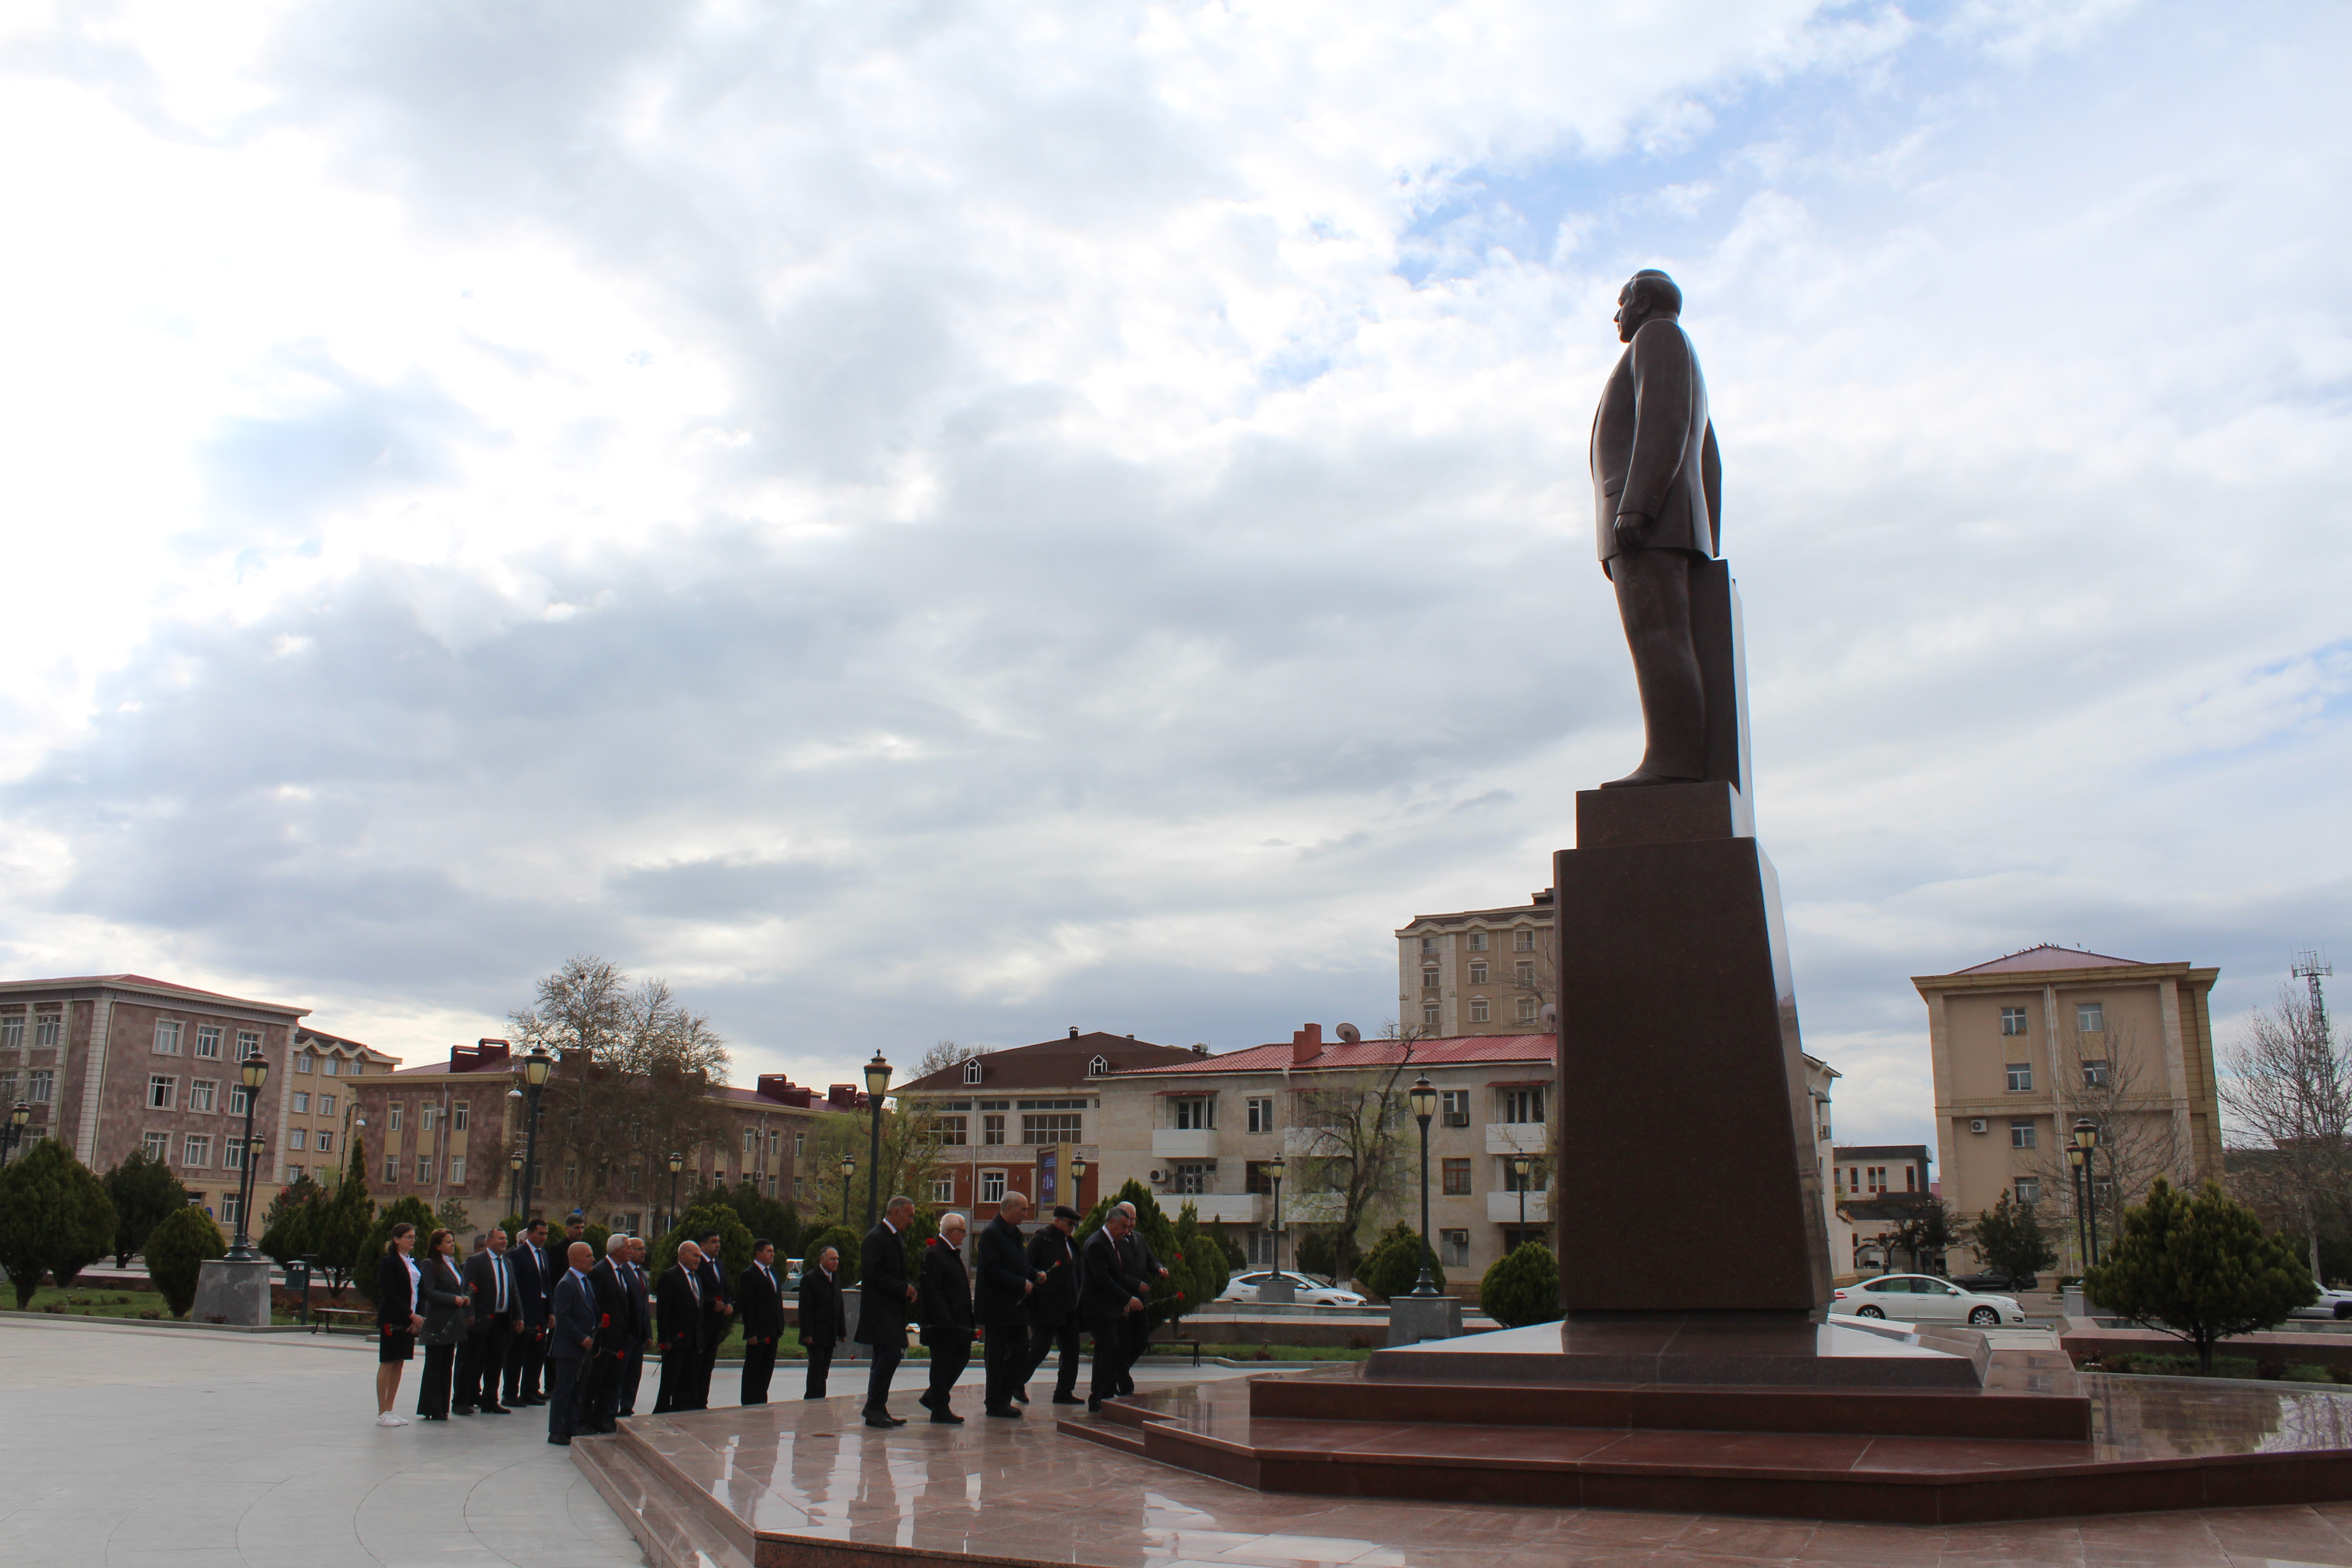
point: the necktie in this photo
(501, 1265)
(695, 1286)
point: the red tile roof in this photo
(145, 982)
(2047, 956)
(1051, 1063)
(1453, 1050)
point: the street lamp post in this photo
(255, 1071)
(514, 1180)
(1521, 1165)
(17, 1120)
(2086, 1139)
(535, 1068)
(677, 1163)
(2076, 1158)
(877, 1079)
(1078, 1182)
(1425, 1106)
(1276, 1168)
(849, 1169)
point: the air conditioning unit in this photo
(1158, 1178)
(1979, 1125)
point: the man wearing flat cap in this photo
(1054, 1304)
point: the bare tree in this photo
(947, 1054)
(1350, 1158)
(911, 1163)
(2139, 1139)
(2287, 1092)
(632, 1081)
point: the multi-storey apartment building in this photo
(114, 1063)
(2025, 1046)
(322, 1103)
(446, 1129)
(1202, 1129)
(1015, 1120)
(1874, 1189)
(1476, 972)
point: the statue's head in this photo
(1647, 295)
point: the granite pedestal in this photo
(1413, 1319)
(233, 1290)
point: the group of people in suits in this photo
(1022, 1298)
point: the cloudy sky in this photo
(959, 520)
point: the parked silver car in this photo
(1923, 1298)
(1311, 1293)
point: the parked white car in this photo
(1923, 1298)
(2332, 1303)
(1311, 1293)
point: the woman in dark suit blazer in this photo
(396, 1319)
(443, 1297)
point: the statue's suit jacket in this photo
(1654, 447)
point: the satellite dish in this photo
(1350, 1032)
(1550, 1015)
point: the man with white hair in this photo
(1143, 1264)
(946, 1303)
(678, 1299)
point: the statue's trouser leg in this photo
(1654, 598)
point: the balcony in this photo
(1184, 1143)
(1503, 1208)
(1518, 1138)
(1233, 1208)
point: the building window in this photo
(155, 1145)
(42, 1085)
(324, 1141)
(1194, 1178)
(1457, 1246)
(1428, 945)
(1478, 973)
(202, 1094)
(570, 1178)
(1194, 1115)
(2013, 1020)
(992, 1130)
(1261, 1115)
(427, 1115)
(458, 1117)
(1477, 1009)
(1262, 1247)
(1477, 941)
(232, 1153)
(992, 1186)
(208, 1041)
(950, 1130)
(457, 1169)
(2094, 1075)
(390, 1169)
(237, 1096)
(298, 1138)
(326, 1105)
(971, 1070)
(304, 1061)
(2090, 1017)
(248, 1044)
(750, 1142)
(1524, 972)
(2029, 1189)
(942, 1189)
(335, 1066)
(392, 1114)
(12, 1032)
(424, 1169)
(2021, 1134)
(161, 1091)
(1523, 942)
(167, 1037)
(799, 1189)
(1429, 1015)
(1429, 980)
(1454, 1106)
(1523, 1105)
(1528, 1009)
(2020, 1078)
(1062, 1129)
(301, 1103)
(1877, 1176)
(1098, 1067)
(196, 1150)
(46, 1029)
(230, 1206)
(1457, 1178)
(800, 1143)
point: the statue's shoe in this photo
(1641, 776)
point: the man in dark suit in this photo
(1002, 1304)
(824, 1320)
(571, 1343)
(1143, 1264)
(614, 1334)
(677, 1300)
(759, 1302)
(945, 1294)
(1107, 1298)
(1054, 1304)
(526, 1351)
(1657, 489)
(641, 1302)
(719, 1308)
(885, 1297)
(489, 1285)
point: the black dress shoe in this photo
(497, 1410)
(1094, 1405)
(1067, 1399)
(461, 1410)
(564, 1441)
(945, 1418)
(1005, 1413)
(1019, 1399)
(883, 1421)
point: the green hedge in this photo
(175, 1251)
(1522, 1286)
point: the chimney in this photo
(1074, 1031)
(1200, 1048)
(774, 1085)
(1306, 1045)
(1543, 899)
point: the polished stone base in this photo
(1713, 1349)
(1413, 1319)
(233, 1292)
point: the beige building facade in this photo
(1476, 972)
(2026, 1045)
(322, 1104)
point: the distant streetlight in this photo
(17, 1120)
(677, 1163)
(877, 1079)
(2086, 1139)
(255, 1071)
(1522, 1166)
(1276, 1168)
(514, 1180)
(535, 1068)
(1423, 1096)
(1077, 1180)
(849, 1169)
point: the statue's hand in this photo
(1630, 526)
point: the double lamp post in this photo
(2086, 1187)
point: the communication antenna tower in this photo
(2310, 966)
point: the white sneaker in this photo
(388, 1419)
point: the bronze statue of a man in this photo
(1657, 484)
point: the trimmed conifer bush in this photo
(176, 1249)
(1522, 1286)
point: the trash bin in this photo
(297, 1281)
